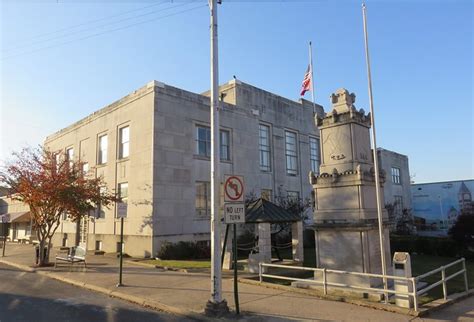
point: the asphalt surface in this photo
(30, 297)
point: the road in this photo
(30, 297)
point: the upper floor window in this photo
(102, 153)
(396, 176)
(70, 156)
(85, 168)
(203, 142)
(314, 154)
(264, 147)
(124, 142)
(225, 145)
(291, 153)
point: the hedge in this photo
(436, 246)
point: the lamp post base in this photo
(216, 309)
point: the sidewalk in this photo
(187, 293)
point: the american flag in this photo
(306, 85)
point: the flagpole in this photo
(374, 148)
(312, 76)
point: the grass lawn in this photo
(424, 263)
(180, 264)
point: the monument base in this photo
(351, 248)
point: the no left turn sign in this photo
(234, 189)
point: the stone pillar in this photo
(345, 215)
(264, 242)
(297, 241)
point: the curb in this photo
(19, 266)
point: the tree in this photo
(52, 186)
(463, 229)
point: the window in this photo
(100, 213)
(70, 156)
(314, 154)
(225, 145)
(123, 191)
(102, 157)
(124, 142)
(266, 194)
(398, 205)
(123, 195)
(203, 142)
(293, 196)
(57, 160)
(396, 175)
(85, 168)
(203, 199)
(264, 147)
(291, 154)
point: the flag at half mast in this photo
(306, 84)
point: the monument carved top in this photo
(343, 110)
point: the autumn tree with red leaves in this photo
(52, 186)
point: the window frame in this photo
(226, 157)
(396, 175)
(199, 210)
(265, 148)
(100, 155)
(291, 156)
(315, 158)
(70, 157)
(122, 144)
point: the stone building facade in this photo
(397, 188)
(153, 148)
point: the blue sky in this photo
(421, 51)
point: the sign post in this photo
(236, 284)
(5, 230)
(234, 213)
(121, 213)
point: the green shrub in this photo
(428, 246)
(184, 251)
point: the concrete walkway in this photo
(187, 293)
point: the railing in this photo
(414, 294)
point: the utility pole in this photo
(216, 306)
(376, 160)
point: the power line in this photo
(105, 32)
(92, 28)
(89, 22)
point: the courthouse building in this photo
(153, 148)
(397, 186)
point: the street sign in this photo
(122, 210)
(233, 188)
(234, 213)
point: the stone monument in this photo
(345, 215)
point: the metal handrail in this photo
(413, 280)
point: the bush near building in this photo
(184, 250)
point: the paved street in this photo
(31, 297)
(34, 296)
